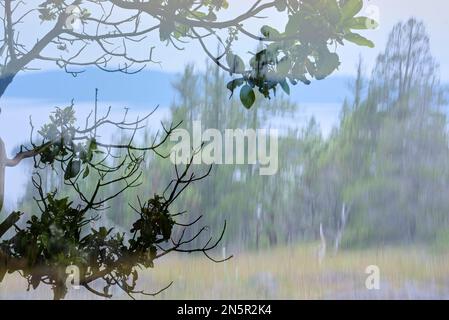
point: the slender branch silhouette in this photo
(59, 237)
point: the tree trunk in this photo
(5, 81)
(257, 234)
(272, 237)
(2, 172)
(341, 227)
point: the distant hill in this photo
(147, 88)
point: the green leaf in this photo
(197, 15)
(293, 24)
(211, 16)
(72, 170)
(86, 172)
(310, 66)
(35, 280)
(93, 145)
(247, 96)
(284, 85)
(269, 32)
(235, 63)
(181, 31)
(233, 84)
(283, 67)
(280, 5)
(327, 63)
(304, 80)
(333, 11)
(351, 8)
(362, 23)
(358, 39)
(165, 29)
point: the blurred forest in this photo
(381, 178)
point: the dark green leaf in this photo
(333, 11)
(247, 96)
(34, 281)
(351, 8)
(233, 84)
(165, 29)
(59, 291)
(284, 85)
(86, 172)
(93, 145)
(72, 170)
(304, 80)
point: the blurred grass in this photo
(284, 273)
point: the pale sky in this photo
(387, 12)
(434, 13)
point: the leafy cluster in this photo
(61, 145)
(298, 53)
(50, 10)
(58, 239)
(188, 9)
(154, 226)
(301, 51)
(63, 233)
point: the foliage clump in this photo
(63, 233)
